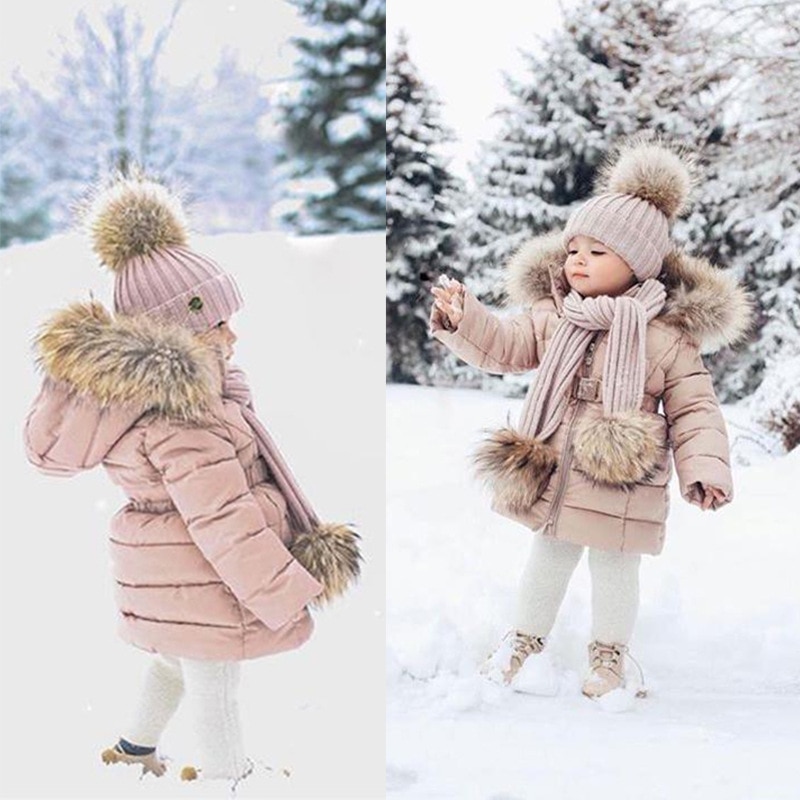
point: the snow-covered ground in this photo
(311, 339)
(718, 634)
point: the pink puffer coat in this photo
(704, 310)
(199, 551)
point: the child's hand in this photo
(448, 305)
(711, 496)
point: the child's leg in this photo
(544, 583)
(615, 594)
(160, 697)
(212, 688)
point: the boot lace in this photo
(525, 644)
(609, 656)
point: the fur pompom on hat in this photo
(135, 217)
(139, 231)
(642, 188)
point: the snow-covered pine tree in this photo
(24, 193)
(766, 166)
(422, 199)
(334, 125)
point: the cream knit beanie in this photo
(641, 193)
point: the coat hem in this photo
(188, 640)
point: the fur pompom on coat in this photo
(588, 488)
(203, 551)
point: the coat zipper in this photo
(562, 478)
(564, 470)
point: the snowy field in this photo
(311, 339)
(718, 634)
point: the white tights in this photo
(211, 687)
(615, 589)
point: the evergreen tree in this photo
(421, 207)
(765, 222)
(334, 135)
(24, 194)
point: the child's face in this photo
(223, 336)
(593, 269)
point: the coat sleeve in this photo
(489, 342)
(207, 484)
(697, 431)
(66, 433)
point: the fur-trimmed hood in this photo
(702, 301)
(130, 360)
(134, 365)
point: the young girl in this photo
(615, 322)
(207, 552)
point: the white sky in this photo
(461, 49)
(258, 29)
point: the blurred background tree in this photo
(25, 195)
(109, 105)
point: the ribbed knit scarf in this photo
(236, 388)
(626, 316)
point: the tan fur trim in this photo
(650, 171)
(528, 269)
(704, 302)
(515, 469)
(621, 450)
(133, 217)
(129, 360)
(331, 554)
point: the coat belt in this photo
(590, 390)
